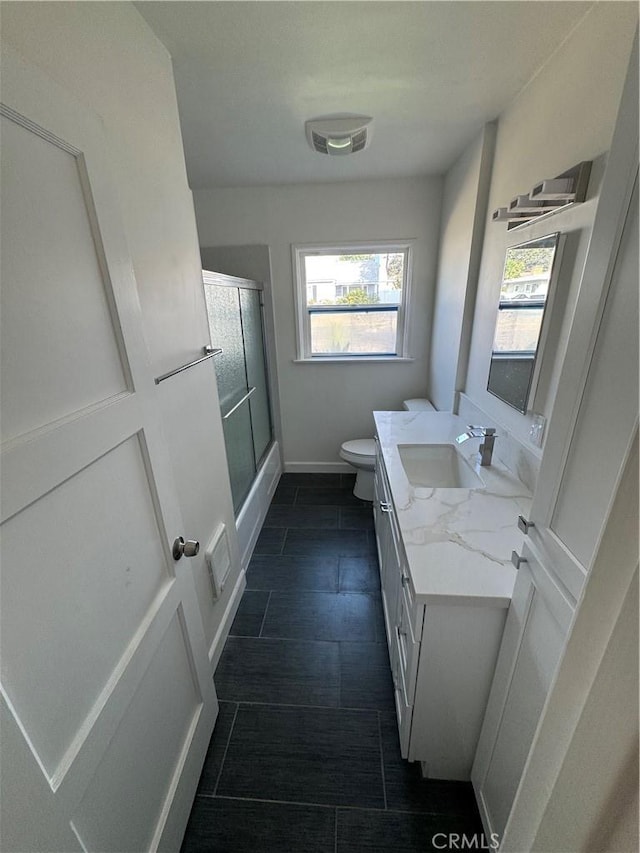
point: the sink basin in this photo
(437, 466)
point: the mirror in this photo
(524, 297)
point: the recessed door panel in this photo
(608, 411)
(59, 349)
(540, 647)
(537, 624)
(85, 562)
(123, 803)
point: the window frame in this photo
(303, 324)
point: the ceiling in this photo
(249, 74)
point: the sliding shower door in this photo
(234, 311)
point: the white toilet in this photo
(361, 453)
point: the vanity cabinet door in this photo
(408, 647)
(404, 708)
(388, 550)
(381, 520)
(534, 637)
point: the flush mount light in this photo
(340, 135)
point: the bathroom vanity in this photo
(445, 530)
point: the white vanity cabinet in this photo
(394, 582)
(442, 655)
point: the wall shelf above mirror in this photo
(546, 197)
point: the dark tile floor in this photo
(305, 754)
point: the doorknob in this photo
(188, 549)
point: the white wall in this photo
(565, 115)
(464, 207)
(105, 54)
(323, 405)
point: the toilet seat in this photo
(360, 452)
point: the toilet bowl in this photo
(361, 453)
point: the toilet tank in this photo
(418, 404)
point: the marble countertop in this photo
(458, 542)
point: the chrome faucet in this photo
(486, 448)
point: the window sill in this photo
(367, 359)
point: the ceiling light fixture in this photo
(339, 135)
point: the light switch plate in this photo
(218, 559)
(536, 432)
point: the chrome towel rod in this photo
(209, 352)
(239, 403)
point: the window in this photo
(352, 300)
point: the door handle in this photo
(517, 560)
(524, 524)
(385, 507)
(184, 549)
(238, 404)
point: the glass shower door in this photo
(234, 312)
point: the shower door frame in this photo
(217, 279)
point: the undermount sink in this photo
(437, 466)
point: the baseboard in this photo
(484, 815)
(318, 468)
(215, 650)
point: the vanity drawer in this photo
(404, 710)
(414, 612)
(408, 650)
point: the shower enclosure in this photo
(234, 311)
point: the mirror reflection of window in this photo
(523, 296)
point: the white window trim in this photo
(303, 326)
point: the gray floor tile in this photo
(250, 614)
(284, 495)
(309, 755)
(311, 481)
(365, 677)
(362, 831)
(292, 742)
(378, 619)
(359, 574)
(236, 826)
(282, 672)
(321, 616)
(270, 541)
(356, 518)
(293, 573)
(319, 517)
(408, 791)
(337, 543)
(217, 747)
(338, 496)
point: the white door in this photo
(569, 512)
(107, 697)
